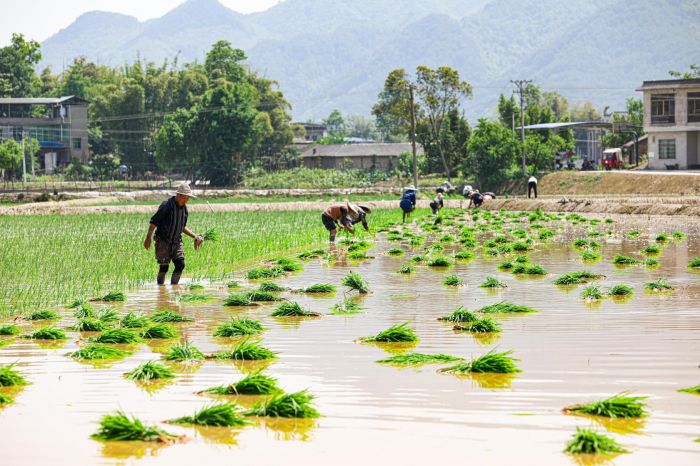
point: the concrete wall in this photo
(681, 149)
(693, 157)
(78, 119)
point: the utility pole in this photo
(24, 163)
(521, 83)
(413, 136)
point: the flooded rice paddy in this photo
(569, 352)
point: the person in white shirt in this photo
(532, 186)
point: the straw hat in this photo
(410, 187)
(184, 190)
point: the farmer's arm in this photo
(364, 222)
(149, 235)
(190, 233)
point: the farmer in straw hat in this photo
(408, 201)
(339, 216)
(169, 222)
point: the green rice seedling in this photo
(521, 260)
(320, 288)
(9, 377)
(464, 255)
(576, 278)
(592, 293)
(360, 245)
(519, 233)
(661, 238)
(238, 327)
(609, 221)
(78, 303)
(492, 282)
(414, 242)
(43, 315)
(116, 335)
(395, 334)
(586, 441)
(625, 260)
(219, 415)
(491, 252)
(288, 265)
(184, 352)
(194, 298)
(529, 269)
(504, 249)
(590, 256)
(695, 390)
(233, 284)
(469, 242)
(133, 320)
(435, 248)
(345, 307)
(312, 253)
(406, 268)
(501, 240)
(354, 281)
(650, 250)
(419, 258)
(252, 384)
(418, 359)
(48, 333)
(678, 235)
(483, 325)
(490, 244)
(150, 370)
(658, 285)
(506, 265)
(520, 246)
(248, 350)
(446, 239)
(211, 234)
(396, 252)
(194, 286)
(621, 405)
(632, 233)
(452, 280)
(158, 331)
(358, 255)
(694, 263)
(264, 272)
(84, 311)
(5, 400)
(621, 290)
(88, 325)
(119, 426)
(169, 316)
(489, 363)
(593, 234)
(271, 287)
(439, 261)
(262, 296)
(292, 309)
(286, 405)
(505, 307)
(651, 262)
(545, 234)
(10, 329)
(108, 314)
(580, 243)
(238, 299)
(98, 352)
(114, 296)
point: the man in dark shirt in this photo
(169, 222)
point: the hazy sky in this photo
(40, 19)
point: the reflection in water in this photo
(153, 386)
(393, 348)
(218, 435)
(486, 339)
(489, 381)
(630, 426)
(291, 429)
(134, 449)
(587, 459)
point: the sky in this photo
(40, 19)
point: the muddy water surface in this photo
(570, 352)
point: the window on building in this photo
(663, 108)
(693, 106)
(77, 143)
(667, 148)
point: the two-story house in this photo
(672, 122)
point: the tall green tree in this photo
(17, 61)
(335, 123)
(392, 110)
(10, 155)
(491, 153)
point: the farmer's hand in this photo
(198, 240)
(147, 243)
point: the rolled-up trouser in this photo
(166, 252)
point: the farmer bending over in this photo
(169, 222)
(408, 201)
(532, 186)
(337, 217)
(476, 198)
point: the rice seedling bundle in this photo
(695, 390)
(452, 280)
(264, 272)
(233, 284)
(469, 242)
(271, 287)
(43, 315)
(594, 245)
(98, 352)
(114, 296)
(396, 252)
(590, 256)
(9, 377)
(464, 255)
(593, 234)
(194, 286)
(418, 359)
(310, 254)
(84, 311)
(586, 441)
(678, 235)
(48, 333)
(580, 243)
(501, 240)
(662, 238)
(360, 245)
(78, 303)
(651, 262)
(439, 261)
(4, 399)
(345, 307)
(520, 246)
(116, 335)
(504, 249)
(286, 405)
(651, 249)
(505, 307)
(492, 282)
(358, 255)
(418, 258)
(491, 252)
(482, 325)
(395, 334)
(292, 309)
(169, 316)
(625, 260)
(621, 290)
(252, 384)
(150, 370)
(658, 285)
(694, 263)
(320, 288)
(621, 405)
(288, 265)
(184, 352)
(545, 234)
(194, 298)
(632, 233)
(506, 265)
(592, 292)
(10, 329)
(238, 299)
(355, 282)
(238, 327)
(248, 350)
(406, 268)
(88, 325)
(489, 363)
(528, 269)
(446, 239)
(576, 278)
(108, 314)
(519, 233)
(435, 248)
(119, 426)
(218, 415)
(490, 244)
(159, 331)
(211, 234)
(133, 320)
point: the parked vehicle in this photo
(612, 158)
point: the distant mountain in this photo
(330, 54)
